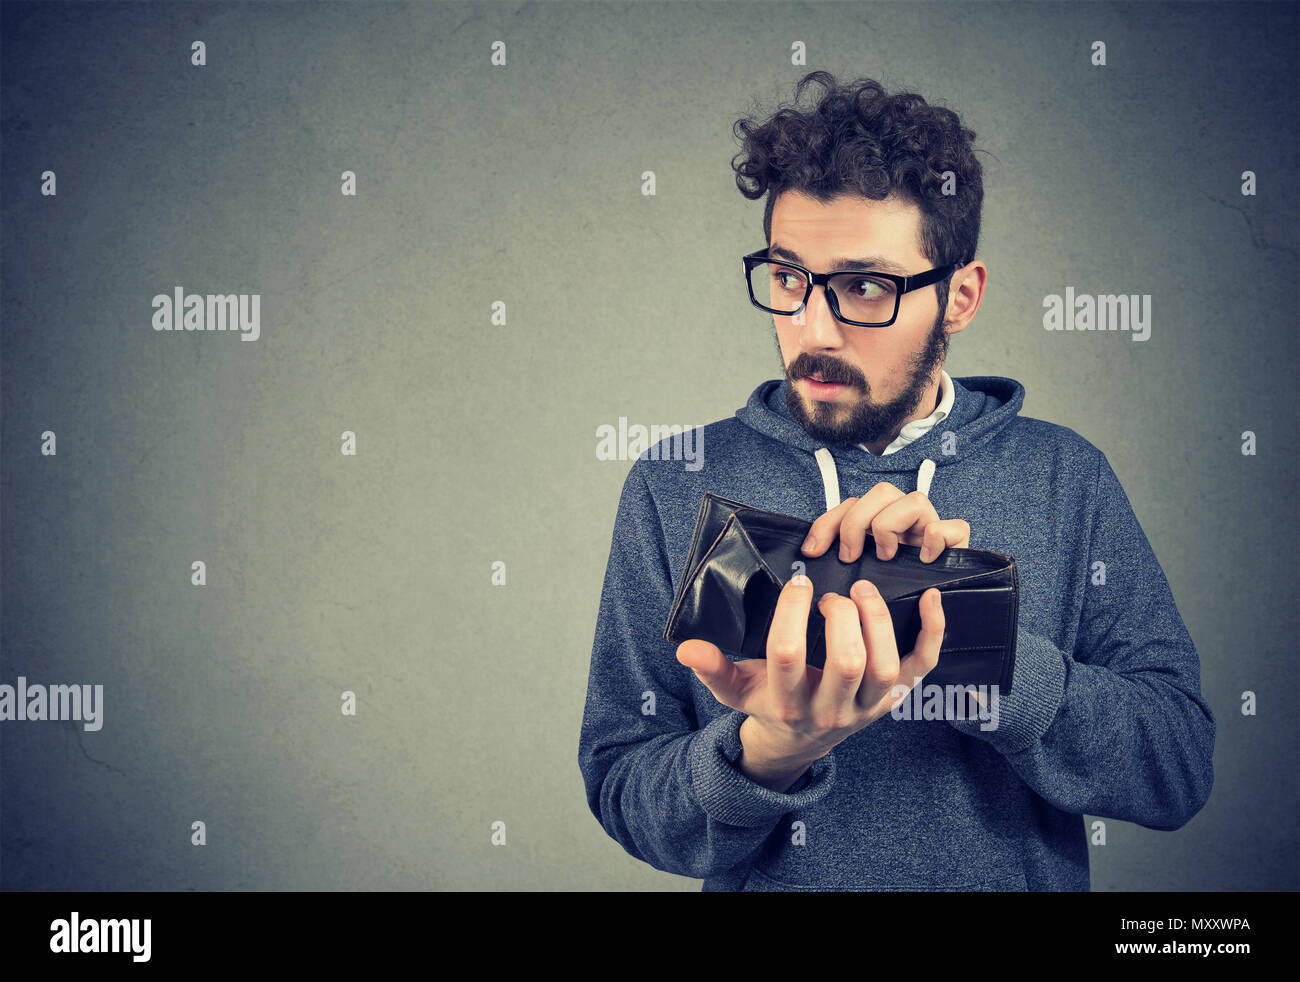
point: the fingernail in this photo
(844, 552)
(810, 542)
(864, 588)
(799, 579)
(925, 554)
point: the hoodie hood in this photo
(982, 406)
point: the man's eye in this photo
(868, 289)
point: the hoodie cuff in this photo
(732, 798)
(1025, 713)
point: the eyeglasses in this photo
(856, 297)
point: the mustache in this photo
(805, 366)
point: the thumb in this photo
(715, 670)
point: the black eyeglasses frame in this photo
(904, 284)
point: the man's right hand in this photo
(798, 713)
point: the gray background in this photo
(477, 442)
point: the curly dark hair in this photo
(861, 140)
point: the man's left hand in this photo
(892, 517)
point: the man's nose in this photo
(820, 329)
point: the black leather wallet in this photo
(740, 558)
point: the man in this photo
(769, 774)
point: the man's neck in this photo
(934, 395)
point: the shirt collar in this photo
(917, 428)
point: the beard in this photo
(865, 421)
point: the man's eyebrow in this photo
(866, 264)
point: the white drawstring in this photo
(924, 474)
(831, 479)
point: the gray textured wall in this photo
(476, 442)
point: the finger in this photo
(716, 671)
(787, 647)
(939, 535)
(925, 655)
(853, 529)
(824, 529)
(878, 633)
(905, 517)
(846, 659)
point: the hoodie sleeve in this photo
(665, 787)
(1116, 728)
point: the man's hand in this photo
(891, 517)
(797, 713)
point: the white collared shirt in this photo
(919, 427)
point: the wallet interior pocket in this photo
(761, 593)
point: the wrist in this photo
(764, 761)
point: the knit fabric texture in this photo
(1105, 716)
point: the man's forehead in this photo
(779, 250)
(848, 232)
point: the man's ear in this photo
(964, 301)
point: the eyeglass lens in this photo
(862, 297)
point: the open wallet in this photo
(740, 558)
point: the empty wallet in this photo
(740, 558)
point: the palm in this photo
(754, 693)
(744, 686)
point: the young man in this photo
(769, 774)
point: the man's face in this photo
(880, 374)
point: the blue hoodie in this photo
(1104, 717)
